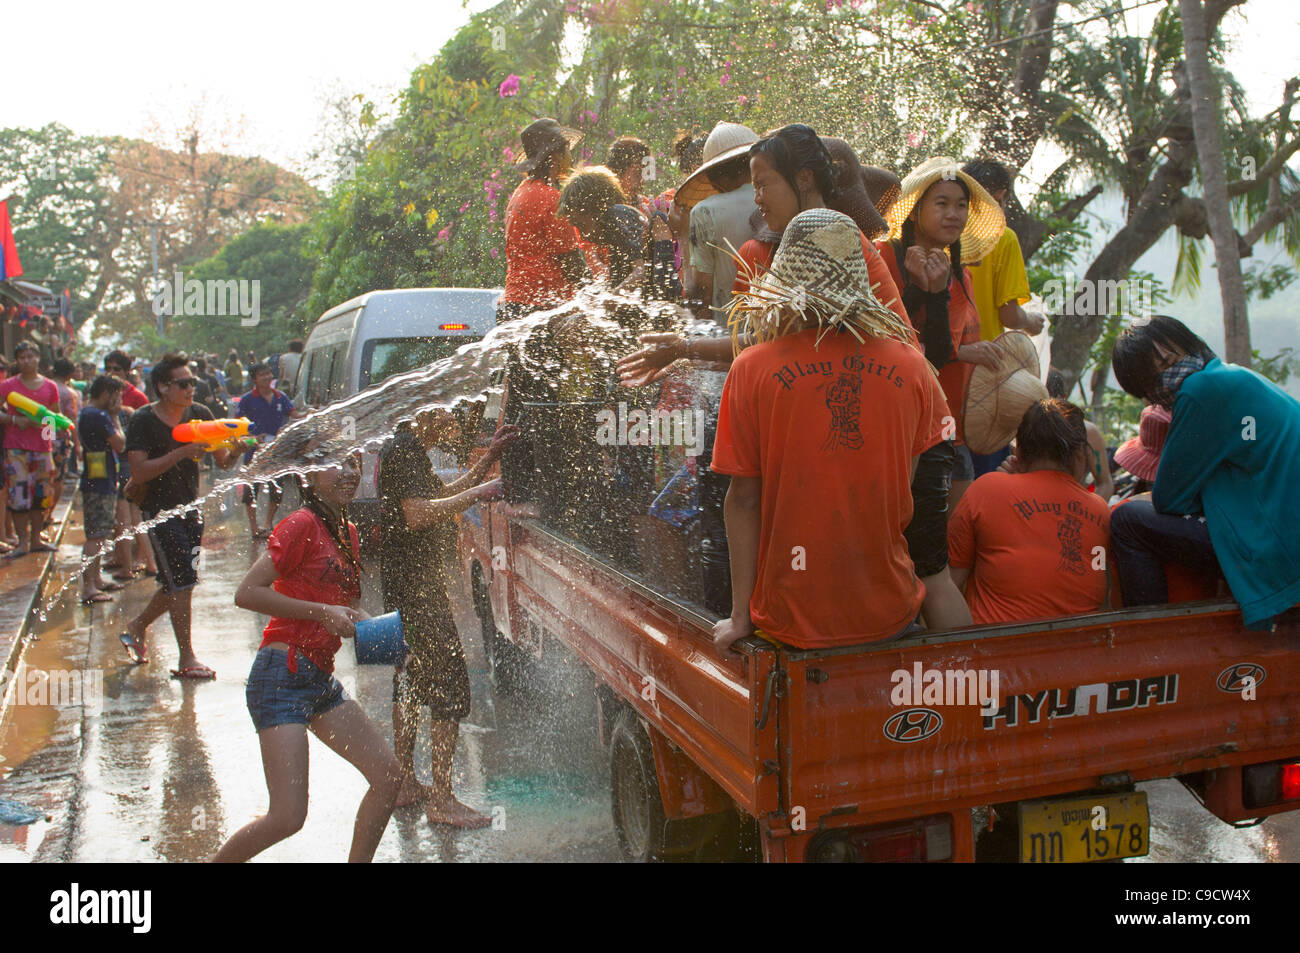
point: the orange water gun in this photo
(215, 434)
(37, 412)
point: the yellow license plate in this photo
(1084, 829)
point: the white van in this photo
(372, 337)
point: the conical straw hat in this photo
(727, 141)
(996, 400)
(984, 226)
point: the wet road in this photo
(169, 769)
(166, 770)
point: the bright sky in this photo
(261, 70)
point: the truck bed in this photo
(1086, 703)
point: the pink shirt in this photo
(28, 438)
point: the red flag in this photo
(10, 266)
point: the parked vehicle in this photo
(814, 754)
(372, 337)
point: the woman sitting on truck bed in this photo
(1225, 484)
(820, 426)
(1030, 544)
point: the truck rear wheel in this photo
(638, 807)
(645, 833)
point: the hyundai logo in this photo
(1236, 678)
(913, 724)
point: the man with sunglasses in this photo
(170, 471)
(118, 364)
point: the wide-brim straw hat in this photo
(996, 400)
(986, 221)
(727, 141)
(851, 196)
(1140, 455)
(542, 138)
(818, 273)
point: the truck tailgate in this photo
(1147, 693)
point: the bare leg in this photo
(348, 732)
(405, 723)
(157, 605)
(91, 580)
(143, 548)
(285, 760)
(443, 807)
(251, 510)
(178, 605)
(944, 607)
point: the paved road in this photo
(166, 770)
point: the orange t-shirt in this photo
(831, 431)
(534, 236)
(1030, 541)
(759, 254)
(963, 321)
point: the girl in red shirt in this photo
(309, 582)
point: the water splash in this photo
(585, 336)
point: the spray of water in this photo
(587, 337)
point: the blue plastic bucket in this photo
(380, 640)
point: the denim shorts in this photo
(277, 696)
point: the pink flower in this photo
(508, 154)
(444, 234)
(509, 86)
(742, 100)
(913, 140)
(492, 215)
(463, 207)
(724, 79)
(494, 253)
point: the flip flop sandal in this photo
(111, 587)
(132, 650)
(18, 554)
(97, 597)
(197, 672)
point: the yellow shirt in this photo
(998, 278)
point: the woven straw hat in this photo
(818, 272)
(852, 198)
(996, 400)
(1140, 455)
(727, 141)
(986, 222)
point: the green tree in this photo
(272, 255)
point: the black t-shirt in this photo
(180, 484)
(413, 563)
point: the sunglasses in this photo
(186, 382)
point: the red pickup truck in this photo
(885, 752)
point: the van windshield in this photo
(385, 357)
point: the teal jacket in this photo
(1233, 454)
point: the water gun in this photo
(215, 434)
(80, 386)
(37, 412)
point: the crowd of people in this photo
(882, 457)
(885, 455)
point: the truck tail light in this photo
(1291, 782)
(453, 327)
(1272, 783)
(925, 839)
